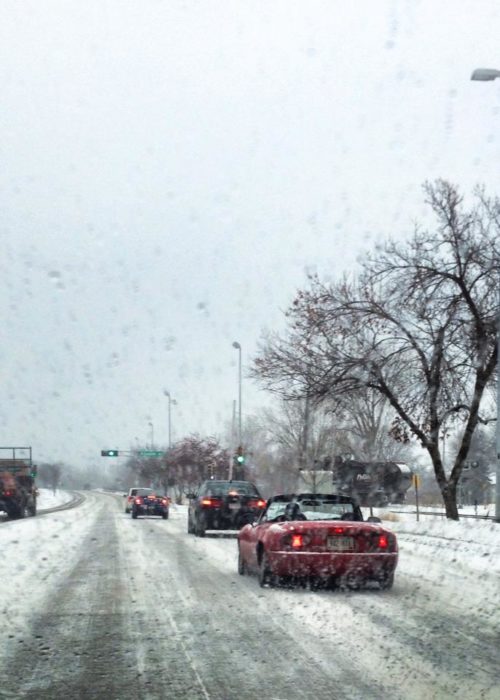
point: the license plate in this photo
(340, 544)
(234, 506)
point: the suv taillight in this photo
(211, 502)
(257, 503)
(138, 501)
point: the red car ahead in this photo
(317, 537)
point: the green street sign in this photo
(151, 453)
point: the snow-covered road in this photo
(97, 605)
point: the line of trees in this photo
(182, 467)
(414, 332)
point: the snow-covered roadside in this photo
(469, 544)
(37, 554)
(50, 499)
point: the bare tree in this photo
(50, 474)
(416, 327)
(363, 427)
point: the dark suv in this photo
(223, 505)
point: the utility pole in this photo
(233, 442)
(237, 346)
(305, 435)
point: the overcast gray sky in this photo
(169, 172)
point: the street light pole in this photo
(152, 433)
(171, 402)
(491, 74)
(237, 346)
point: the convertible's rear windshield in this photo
(223, 488)
(317, 509)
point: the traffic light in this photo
(109, 453)
(239, 457)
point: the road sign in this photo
(151, 453)
(416, 480)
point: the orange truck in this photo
(17, 482)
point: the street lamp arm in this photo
(485, 74)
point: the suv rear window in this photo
(222, 488)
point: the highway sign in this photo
(151, 453)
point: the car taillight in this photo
(138, 501)
(211, 502)
(296, 540)
(338, 530)
(164, 501)
(383, 542)
(257, 503)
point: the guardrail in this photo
(442, 513)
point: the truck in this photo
(374, 483)
(17, 482)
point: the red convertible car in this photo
(317, 537)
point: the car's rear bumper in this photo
(367, 565)
(228, 521)
(141, 510)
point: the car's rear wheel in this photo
(387, 582)
(17, 511)
(134, 514)
(201, 526)
(319, 583)
(242, 567)
(351, 581)
(265, 574)
(190, 527)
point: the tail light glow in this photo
(138, 501)
(383, 542)
(296, 540)
(257, 503)
(211, 502)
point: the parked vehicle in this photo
(372, 483)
